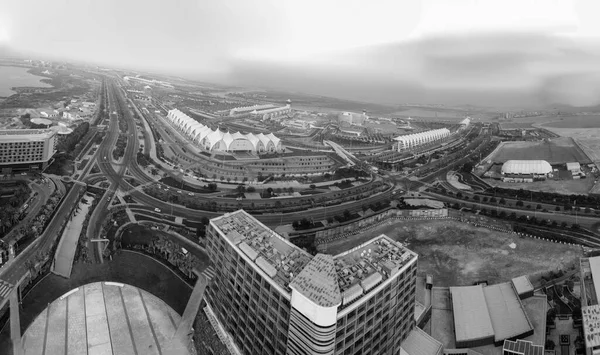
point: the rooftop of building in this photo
(419, 342)
(522, 284)
(26, 132)
(362, 268)
(523, 347)
(318, 281)
(274, 255)
(491, 311)
(471, 318)
(103, 318)
(590, 272)
(324, 279)
(591, 325)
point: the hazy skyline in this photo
(383, 51)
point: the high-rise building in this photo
(26, 149)
(271, 297)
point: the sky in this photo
(455, 51)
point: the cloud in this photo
(503, 68)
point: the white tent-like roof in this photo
(211, 138)
(526, 167)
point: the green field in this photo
(554, 151)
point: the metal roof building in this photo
(488, 315)
(523, 286)
(525, 167)
(472, 323)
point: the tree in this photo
(502, 201)
(346, 215)
(313, 186)
(519, 203)
(557, 208)
(459, 195)
(538, 207)
(493, 200)
(550, 345)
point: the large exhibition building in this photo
(410, 141)
(263, 112)
(271, 297)
(525, 170)
(216, 140)
(26, 149)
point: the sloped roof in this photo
(420, 343)
(318, 281)
(506, 311)
(471, 318)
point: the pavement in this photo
(65, 252)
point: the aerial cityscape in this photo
(416, 178)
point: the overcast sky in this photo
(544, 48)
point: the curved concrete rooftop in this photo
(103, 318)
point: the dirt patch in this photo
(459, 254)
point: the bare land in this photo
(581, 121)
(555, 151)
(515, 125)
(459, 254)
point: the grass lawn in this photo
(556, 151)
(459, 254)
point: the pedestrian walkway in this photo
(65, 253)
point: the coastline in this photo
(44, 81)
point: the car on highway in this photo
(178, 191)
(157, 210)
(191, 193)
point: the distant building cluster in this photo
(353, 119)
(148, 81)
(262, 112)
(216, 140)
(360, 302)
(409, 141)
(26, 149)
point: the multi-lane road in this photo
(129, 162)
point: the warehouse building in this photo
(218, 141)
(525, 170)
(488, 315)
(409, 141)
(26, 149)
(271, 297)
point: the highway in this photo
(129, 161)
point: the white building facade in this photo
(216, 140)
(410, 141)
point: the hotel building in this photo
(271, 297)
(590, 307)
(26, 149)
